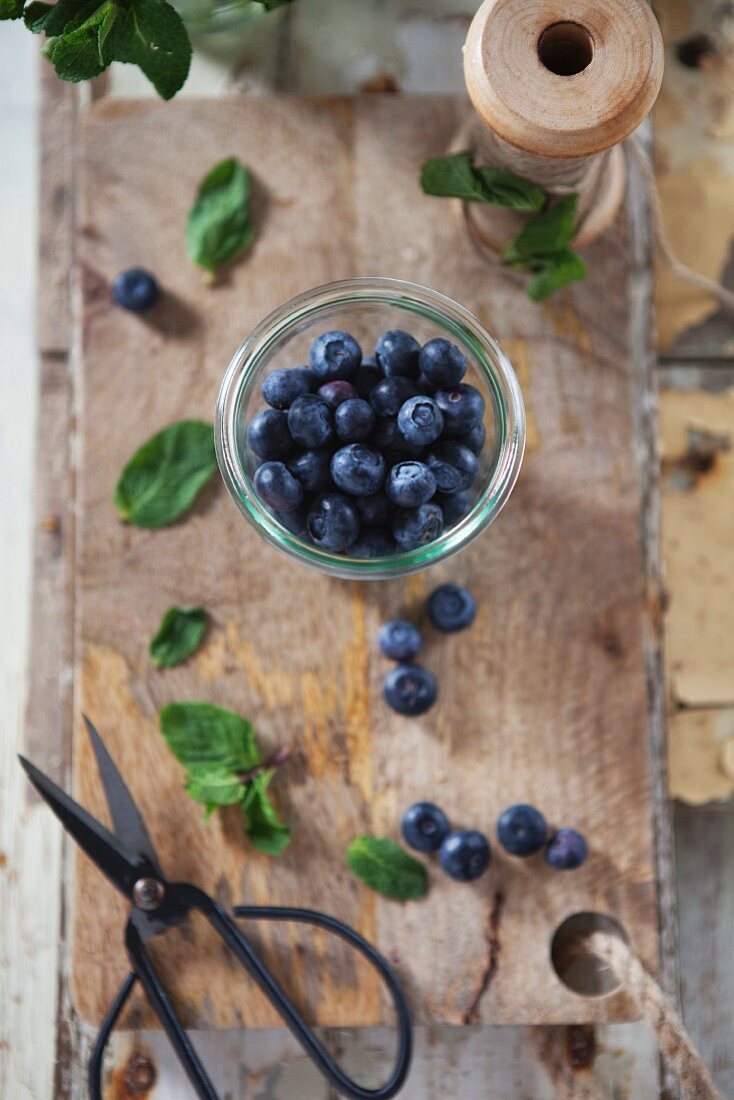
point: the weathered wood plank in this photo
(56, 121)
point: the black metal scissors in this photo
(129, 861)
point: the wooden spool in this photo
(555, 84)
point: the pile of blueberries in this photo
(369, 456)
(465, 854)
(409, 688)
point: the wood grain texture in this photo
(520, 716)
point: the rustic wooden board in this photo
(546, 698)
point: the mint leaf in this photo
(66, 15)
(551, 231)
(454, 176)
(11, 9)
(203, 736)
(270, 5)
(36, 14)
(178, 636)
(219, 223)
(214, 786)
(77, 54)
(386, 868)
(266, 831)
(151, 35)
(164, 477)
(550, 273)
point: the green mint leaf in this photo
(36, 14)
(264, 828)
(164, 477)
(76, 54)
(219, 223)
(548, 232)
(204, 737)
(178, 636)
(66, 15)
(386, 868)
(455, 177)
(270, 5)
(151, 35)
(214, 787)
(11, 9)
(550, 273)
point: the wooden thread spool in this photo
(557, 86)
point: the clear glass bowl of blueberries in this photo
(370, 428)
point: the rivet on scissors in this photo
(148, 893)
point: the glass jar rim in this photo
(489, 360)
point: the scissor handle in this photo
(187, 897)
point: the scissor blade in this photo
(122, 867)
(129, 825)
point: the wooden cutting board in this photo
(543, 700)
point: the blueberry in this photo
(333, 523)
(465, 855)
(410, 690)
(335, 355)
(420, 421)
(135, 289)
(566, 850)
(451, 607)
(410, 484)
(389, 395)
(425, 827)
(313, 470)
(374, 509)
(475, 439)
(354, 420)
(442, 362)
(453, 464)
(522, 830)
(397, 353)
(372, 544)
(277, 487)
(281, 387)
(399, 640)
(367, 377)
(268, 436)
(414, 527)
(462, 407)
(392, 442)
(295, 521)
(310, 421)
(358, 470)
(335, 393)
(454, 506)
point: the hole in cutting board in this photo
(578, 969)
(566, 48)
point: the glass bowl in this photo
(365, 308)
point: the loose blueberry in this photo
(336, 393)
(410, 484)
(277, 487)
(454, 506)
(354, 420)
(335, 355)
(462, 407)
(372, 544)
(389, 395)
(283, 386)
(420, 421)
(410, 690)
(566, 850)
(367, 377)
(465, 855)
(522, 830)
(358, 469)
(313, 470)
(414, 527)
(135, 289)
(333, 523)
(425, 827)
(397, 353)
(374, 509)
(475, 439)
(442, 362)
(453, 464)
(310, 421)
(399, 640)
(451, 607)
(268, 436)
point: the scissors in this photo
(128, 859)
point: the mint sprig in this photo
(224, 768)
(542, 247)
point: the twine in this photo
(652, 1005)
(585, 177)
